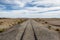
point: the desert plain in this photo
(29, 28)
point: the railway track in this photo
(28, 33)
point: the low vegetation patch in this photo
(2, 30)
(57, 30)
(49, 27)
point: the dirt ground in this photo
(6, 23)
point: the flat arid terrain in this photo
(29, 29)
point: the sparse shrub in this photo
(1, 23)
(9, 25)
(1, 30)
(40, 19)
(46, 22)
(57, 30)
(18, 22)
(42, 23)
(49, 27)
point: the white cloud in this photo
(51, 9)
(36, 9)
(29, 14)
(22, 3)
(47, 3)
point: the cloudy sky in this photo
(30, 8)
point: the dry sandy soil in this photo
(6, 23)
(51, 23)
(54, 21)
